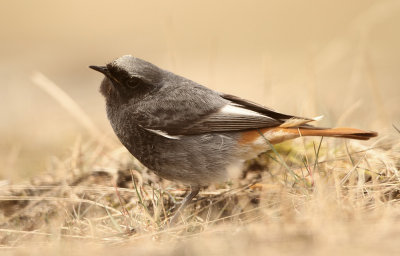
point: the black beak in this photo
(101, 69)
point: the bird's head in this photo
(128, 78)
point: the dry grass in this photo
(330, 197)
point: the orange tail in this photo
(274, 135)
(279, 134)
(349, 133)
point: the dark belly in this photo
(194, 159)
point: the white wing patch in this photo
(164, 134)
(294, 122)
(234, 110)
(318, 118)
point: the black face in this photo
(120, 84)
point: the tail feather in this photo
(279, 134)
(349, 133)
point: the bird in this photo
(188, 133)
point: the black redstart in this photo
(186, 132)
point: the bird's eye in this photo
(134, 82)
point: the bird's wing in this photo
(230, 117)
(200, 113)
(258, 108)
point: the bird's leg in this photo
(186, 201)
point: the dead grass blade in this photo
(68, 104)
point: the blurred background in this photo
(339, 59)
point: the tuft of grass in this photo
(345, 202)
